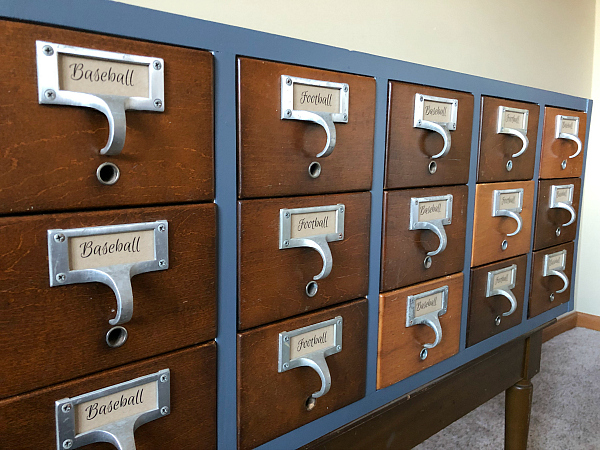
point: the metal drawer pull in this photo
(513, 121)
(567, 127)
(509, 203)
(425, 309)
(432, 213)
(500, 282)
(554, 264)
(436, 114)
(562, 197)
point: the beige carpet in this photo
(566, 403)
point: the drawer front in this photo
(410, 149)
(489, 298)
(274, 282)
(491, 240)
(172, 308)
(557, 159)
(506, 127)
(405, 258)
(52, 152)
(544, 293)
(554, 211)
(271, 403)
(400, 347)
(276, 155)
(193, 402)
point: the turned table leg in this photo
(517, 414)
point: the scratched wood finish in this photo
(496, 149)
(399, 346)
(489, 231)
(274, 154)
(51, 153)
(555, 151)
(28, 421)
(484, 310)
(62, 329)
(404, 250)
(548, 220)
(542, 287)
(272, 282)
(409, 149)
(272, 403)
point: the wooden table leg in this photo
(517, 414)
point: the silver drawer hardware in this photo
(554, 264)
(432, 213)
(514, 121)
(112, 414)
(321, 102)
(86, 87)
(425, 309)
(500, 282)
(562, 197)
(111, 255)
(509, 203)
(436, 114)
(567, 127)
(309, 346)
(312, 227)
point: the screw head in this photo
(563, 164)
(50, 94)
(509, 165)
(288, 81)
(287, 214)
(288, 113)
(557, 232)
(339, 347)
(339, 322)
(423, 354)
(161, 228)
(345, 116)
(158, 103)
(504, 244)
(164, 378)
(419, 122)
(345, 88)
(162, 263)
(157, 65)
(164, 410)
(48, 51)
(427, 262)
(341, 236)
(341, 209)
(286, 338)
(497, 320)
(421, 98)
(432, 167)
(286, 243)
(61, 277)
(59, 237)
(552, 297)
(286, 366)
(66, 407)
(67, 443)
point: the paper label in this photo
(428, 304)
(563, 195)
(104, 250)
(313, 224)
(569, 126)
(556, 261)
(111, 408)
(437, 111)
(435, 210)
(316, 98)
(509, 201)
(104, 77)
(514, 120)
(502, 279)
(310, 342)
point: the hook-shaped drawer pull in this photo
(436, 114)
(500, 282)
(567, 127)
(555, 264)
(509, 203)
(562, 197)
(514, 121)
(432, 213)
(425, 309)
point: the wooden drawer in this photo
(275, 155)
(558, 152)
(172, 308)
(409, 150)
(271, 403)
(400, 347)
(553, 213)
(405, 257)
(191, 423)
(276, 281)
(487, 304)
(544, 293)
(506, 127)
(51, 153)
(491, 240)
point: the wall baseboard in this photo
(569, 321)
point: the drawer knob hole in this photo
(108, 173)
(116, 337)
(314, 169)
(311, 288)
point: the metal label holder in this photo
(119, 433)
(430, 319)
(505, 128)
(436, 225)
(443, 128)
(112, 106)
(513, 213)
(557, 271)
(572, 136)
(565, 204)
(315, 360)
(505, 289)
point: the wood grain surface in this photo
(404, 250)
(272, 403)
(28, 421)
(399, 346)
(274, 154)
(62, 329)
(496, 149)
(50, 153)
(272, 282)
(409, 149)
(547, 219)
(541, 286)
(489, 231)
(484, 310)
(555, 151)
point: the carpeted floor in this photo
(566, 403)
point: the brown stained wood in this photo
(489, 231)
(28, 421)
(272, 403)
(496, 149)
(555, 151)
(484, 310)
(409, 149)
(50, 153)
(517, 415)
(399, 346)
(547, 219)
(274, 154)
(404, 250)
(62, 329)
(542, 287)
(272, 282)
